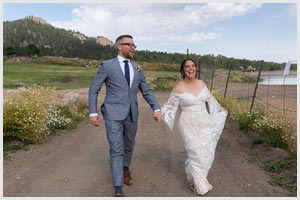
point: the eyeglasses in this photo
(129, 44)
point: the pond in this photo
(278, 80)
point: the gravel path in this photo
(76, 164)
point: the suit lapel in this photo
(135, 72)
(119, 71)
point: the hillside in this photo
(33, 36)
(49, 40)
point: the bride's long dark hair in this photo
(182, 67)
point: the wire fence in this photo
(268, 89)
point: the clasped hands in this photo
(157, 116)
(94, 120)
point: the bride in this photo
(200, 130)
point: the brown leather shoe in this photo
(193, 188)
(127, 178)
(119, 195)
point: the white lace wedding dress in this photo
(200, 132)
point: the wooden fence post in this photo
(256, 85)
(212, 76)
(198, 69)
(230, 66)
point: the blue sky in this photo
(253, 31)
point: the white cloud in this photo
(154, 22)
(288, 12)
(187, 38)
(207, 14)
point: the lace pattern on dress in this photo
(200, 132)
(169, 110)
(214, 106)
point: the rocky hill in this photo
(99, 40)
(34, 32)
(39, 20)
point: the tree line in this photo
(25, 37)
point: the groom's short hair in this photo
(121, 37)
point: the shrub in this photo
(277, 129)
(237, 109)
(242, 78)
(159, 66)
(289, 132)
(82, 107)
(55, 119)
(24, 114)
(31, 114)
(75, 112)
(270, 128)
(164, 83)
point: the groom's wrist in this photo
(93, 114)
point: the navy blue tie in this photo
(127, 76)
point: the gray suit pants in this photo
(121, 137)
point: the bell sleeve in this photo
(218, 117)
(214, 106)
(169, 110)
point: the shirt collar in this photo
(121, 59)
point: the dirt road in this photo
(76, 164)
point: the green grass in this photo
(20, 74)
(242, 78)
(12, 146)
(278, 166)
(156, 74)
(162, 80)
(62, 77)
(289, 183)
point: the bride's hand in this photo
(222, 109)
(157, 116)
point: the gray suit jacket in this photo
(119, 98)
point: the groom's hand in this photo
(157, 116)
(94, 120)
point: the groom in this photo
(123, 78)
